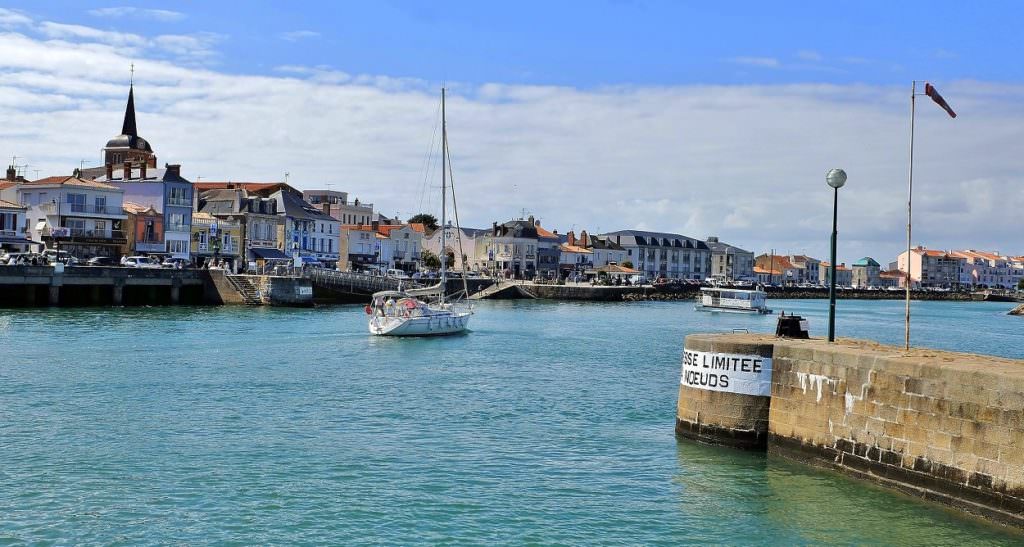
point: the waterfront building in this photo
(844, 275)
(730, 263)
(512, 249)
(865, 273)
(549, 252)
(143, 230)
(262, 228)
(401, 246)
(474, 246)
(131, 164)
(788, 273)
(309, 232)
(890, 279)
(83, 217)
(931, 268)
(660, 254)
(14, 227)
(988, 269)
(765, 276)
(575, 257)
(337, 205)
(358, 247)
(808, 270)
(216, 239)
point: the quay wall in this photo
(947, 427)
(581, 292)
(34, 286)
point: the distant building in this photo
(730, 263)
(890, 278)
(660, 254)
(807, 269)
(337, 205)
(548, 252)
(989, 269)
(309, 231)
(931, 268)
(401, 246)
(14, 227)
(844, 275)
(143, 229)
(358, 247)
(866, 273)
(474, 246)
(262, 227)
(216, 240)
(765, 276)
(780, 266)
(588, 254)
(512, 249)
(83, 217)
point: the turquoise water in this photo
(549, 423)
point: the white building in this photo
(337, 205)
(13, 227)
(308, 230)
(474, 246)
(83, 217)
(659, 254)
(987, 268)
(512, 249)
(401, 246)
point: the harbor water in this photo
(548, 423)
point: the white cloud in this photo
(765, 62)
(11, 18)
(296, 35)
(197, 48)
(80, 32)
(746, 163)
(163, 15)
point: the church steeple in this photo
(128, 128)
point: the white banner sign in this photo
(728, 372)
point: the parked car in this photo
(311, 261)
(638, 279)
(101, 261)
(53, 256)
(397, 274)
(176, 263)
(140, 262)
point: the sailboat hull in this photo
(442, 324)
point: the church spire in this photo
(129, 115)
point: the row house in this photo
(262, 228)
(358, 247)
(658, 254)
(989, 269)
(512, 249)
(931, 268)
(14, 227)
(549, 252)
(808, 270)
(467, 246)
(401, 246)
(730, 263)
(844, 275)
(309, 231)
(866, 273)
(216, 240)
(767, 276)
(82, 217)
(890, 279)
(337, 205)
(144, 230)
(782, 270)
(588, 253)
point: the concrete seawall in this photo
(943, 426)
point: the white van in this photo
(397, 274)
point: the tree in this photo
(426, 219)
(627, 264)
(1020, 284)
(430, 260)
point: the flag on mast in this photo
(930, 90)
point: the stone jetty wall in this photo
(944, 426)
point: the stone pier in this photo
(943, 426)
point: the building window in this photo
(77, 203)
(101, 204)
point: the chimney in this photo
(375, 225)
(326, 206)
(494, 228)
(712, 239)
(110, 171)
(533, 222)
(127, 174)
(142, 170)
(571, 238)
(12, 173)
(584, 239)
(173, 169)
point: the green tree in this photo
(430, 260)
(1020, 284)
(627, 264)
(426, 219)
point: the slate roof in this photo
(10, 205)
(294, 206)
(73, 181)
(719, 247)
(644, 238)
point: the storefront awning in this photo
(269, 254)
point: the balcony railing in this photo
(80, 208)
(179, 202)
(177, 228)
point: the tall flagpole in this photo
(910, 197)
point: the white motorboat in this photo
(427, 311)
(732, 300)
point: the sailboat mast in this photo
(444, 183)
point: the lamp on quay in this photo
(835, 178)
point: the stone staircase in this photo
(247, 288)
(503, 289)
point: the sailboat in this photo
(426, 311)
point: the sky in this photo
(695, 118)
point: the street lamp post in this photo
(835, 178)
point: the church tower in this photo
(129, 147)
